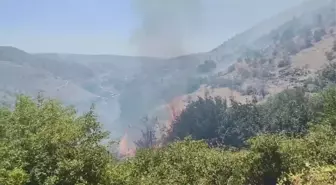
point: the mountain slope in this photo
(134, 86)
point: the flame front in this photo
(175, 109)
(124, 148)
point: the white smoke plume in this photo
(165, 25)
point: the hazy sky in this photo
(108, 26)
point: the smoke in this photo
(126, 149)
(165, 26)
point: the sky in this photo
(109, 26)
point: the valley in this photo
(125, 88)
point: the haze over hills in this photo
(126, 88)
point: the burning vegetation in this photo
(127, 148)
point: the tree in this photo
(148, 138)
(286, 61)
(318, 34)
(207, 66)
(330, 56)
(231, 68)
(287, 112)
(210, 119)
(328, 73)
(44, 142)
(200, 119)
(242, 122)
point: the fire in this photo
(124, 147)
(175, 108)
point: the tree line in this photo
(289, 139)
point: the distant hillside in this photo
(130, 87)
(78, 80)
(289, 55)
(233, 47)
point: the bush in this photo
(318, 34)
(287, 112)
(183, 162)
(207, 66)
(231, 68)
(324, 175)
(210, 119)
(330, 56)
(284, 62)
(200, 119)
(45, 143)
(250, 90)
(329, 73)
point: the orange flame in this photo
(175, 108)
(124, 149)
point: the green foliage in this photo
(183, 162)
(241, 122)
(210, 118)
(200, 119)
(287, 112)
(324, 175)
(45, 143)
(329, 73)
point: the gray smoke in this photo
(165, 25)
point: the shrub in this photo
(200, 119)
(318, 34)
(231, 68)
(250, 90)
(45, 143)
(287, 112)
(330, 56)
(323, 175)
(207, 66)
(183, 162)
(284, 62)
(329, 73)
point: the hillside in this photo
(281, 58)
(127, 88)
(78, 80)
(260, 109)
